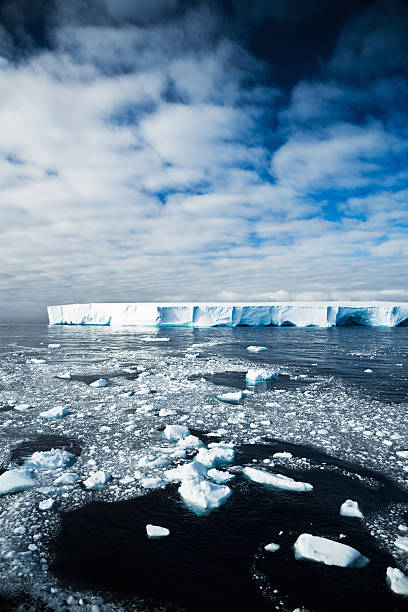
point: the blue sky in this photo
(167, 150)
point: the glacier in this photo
(200, 314)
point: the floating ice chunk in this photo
(283, 455)
(156, 339)
(96, 480)
(402, 543)
(202, 494)
(154, 531)
(151, 461)
(254, 376)
(272, 547)
(219, 476)
(22, 407)
(54, 346)
(101, 382)
(65, 375)
(46, 504)
(397, 581)
(190, 442)
(323, 550)
(402, 453)
(176, 432)
(351, 508)
(151, 483)
(145, 409)
(216, 455)
(277, 481)
(368, 371)
(256, 349)
(54, 413)
(68, 478)
(231, 398)
(163, 412)
(193, 470)
(53, 459)
(20, 530)
(36, 361)
(14, 481)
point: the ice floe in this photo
(397, 581)
(155, 531)
(176, 432)
(14, 481)
(351, 508)
(54, 413)
(329, 552)
(101, 382)
(277, 481)
(272, 547)
(96, 480)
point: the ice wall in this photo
(317, 314)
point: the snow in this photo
(301, 314)
(154, 531)
(351, 508)
(53, 459)
(277, 481)
(202, 494)
(397, 581)
(329, 552)
(101, 382)
(14, 481)
(54, 413)
(176, 432)
(272, 547)
(96, 480)
(255, 376)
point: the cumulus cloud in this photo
(147, 155)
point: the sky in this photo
(165, 150)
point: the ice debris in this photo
(176, 432)
(329, 552)
(351, 508)
(402, 543)
(101, 382)
(231, 398)
(46, 504)
(154, 531)
(256, 349)
(272, 547)
(397, 581)
(14, 481)
(277, 481)
(96, 480)
(54, 413)
(68, 478)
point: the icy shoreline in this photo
(312, 314)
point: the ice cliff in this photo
(315, 314)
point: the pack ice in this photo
(329, 552)
(200, 314)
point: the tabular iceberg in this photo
(313, 314)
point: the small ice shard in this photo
(402, 543)
(219, 476)
(65, 375)
(151, 483)
(282, 455)
(192, 470)
(101, 382)
(176, 432)
(272, 547)
(54, 346)
(14, 481)
(190, 442)
(402, 453)
(329, 552)
(202, 494)
(351, 508)
(154, 531)
(46, 504)
(368, 371)
(231, 398)
(256, 349)
(254, 376)
(54, 413)
(216, 455)
(96, 480)
(53, 459)
(397, 581)
(68, 478)
(277, 481)
(36, 361)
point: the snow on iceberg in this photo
(277, 481)
(14, 481)
(329, 552)
(318, 314)
(397, 581)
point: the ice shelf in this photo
(200, 314)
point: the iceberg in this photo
(351, 508)
(254, 376)
(208, 314)
(329, 552)
(202, 494)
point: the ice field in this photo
(266, 466)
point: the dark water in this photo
(217, 562)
